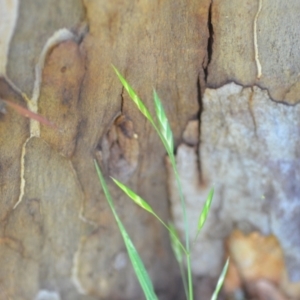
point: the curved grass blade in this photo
(204, 212)
(164, 125)
(175, 244)
(178, 253)
(143, 204)
(135, 98)
(141, 106)
(177, 249)
(136, 198)
(139, 103)
(166, 135)
(139, 268)
(146, 113)
(220, 281)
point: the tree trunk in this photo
(58, 236)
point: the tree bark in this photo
(58, 236)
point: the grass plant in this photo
(181, 251)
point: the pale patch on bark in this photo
(22, 171)
(32, 104)
(8, 16)
(47, 295)
(249, 152)
(83, 218)
(75, 270)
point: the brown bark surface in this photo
(228, 76)
(58, 236)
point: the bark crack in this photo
(122, 100)
(199, 126)
(206, 63)
(250, 104)
(210, 41)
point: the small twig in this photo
(27, 113)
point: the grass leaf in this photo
(139, 268)
(136, 198)
(175, 243)
(220, 281)
(166, 137)
(163, 122)
(135, 98)
(143, 204)
(204, 213)
(178, 253)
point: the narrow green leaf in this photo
(167, 142)
(163, 122)
(205, 211)
(175, 243)
(178, 253)
(138, 266)
(139, 103)
(143, 204)
(135, 98)
(220, 281)
(136, 198)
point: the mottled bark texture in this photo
(58, 237)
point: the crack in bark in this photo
(206, 63)
(250, 105)
(210, 41)
(122, 100)
(199, 96)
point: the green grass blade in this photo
(166, 144)
(220, 281)
(139, 103)
(166, 136)
(141, 106)
(138, 266)
(135, 98)
(136, 198)
(163, 122)
(175, 244)
(143, 204)
(204, 212)
(178, 253)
